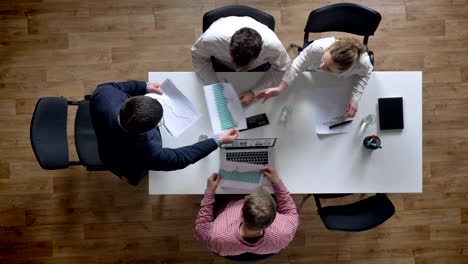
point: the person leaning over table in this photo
(254, 224)
(343, 58)
(240, 44)
(129, 141)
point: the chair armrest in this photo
(371, 57)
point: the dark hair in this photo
(245, 46)
(259, 210)
(140, 114)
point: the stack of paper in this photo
(330, 105)
(179, 112)
(224, 107)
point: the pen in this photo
(340, 124)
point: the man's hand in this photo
(246, 98)
(154, 88)
(228, 136)
(351, 109)
(268, 93)
(271, 174)
(213, 181)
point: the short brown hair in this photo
(245, 46)
(345, 52)
(140, 114)
(259, 210)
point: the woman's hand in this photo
(271, 92)
(351, 109)
(268, 93)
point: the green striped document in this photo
(225, 116)
(239, 175)
(248, 176)
(224, 107)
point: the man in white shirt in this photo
(240, 44)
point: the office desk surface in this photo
(307, 162)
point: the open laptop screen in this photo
(251, 143)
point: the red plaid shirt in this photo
(222, 236)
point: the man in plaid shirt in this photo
(256, 224)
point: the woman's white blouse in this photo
(310, 58)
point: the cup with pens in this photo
(372, 142)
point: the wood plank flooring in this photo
(67, 47)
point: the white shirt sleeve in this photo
(280, 62)
(201, 60)
(311, 54)
(363, 71)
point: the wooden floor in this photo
(67, 47)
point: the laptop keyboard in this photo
(254, 157)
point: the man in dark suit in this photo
(129, 141)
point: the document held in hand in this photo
(224, 107)
(239, 175)
(179, 113)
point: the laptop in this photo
(254, 151)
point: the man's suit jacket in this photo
(130, 155)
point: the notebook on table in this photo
(391, 113)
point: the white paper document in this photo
(224, 107)
(239, 175)
(329, 107)
(179, 113)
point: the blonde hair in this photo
(345, 52)
(259, 210)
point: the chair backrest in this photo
(85, 138)
(344, 17)
(249, 257)
(359, 216)
(238, 10)
(48, 133)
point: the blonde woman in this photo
(344, 58)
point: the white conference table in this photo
(307, 162)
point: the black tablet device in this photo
(391, 113)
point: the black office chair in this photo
(48, 134)
(238, 10)
(249, 257)
(342, 17)
(355, 217)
